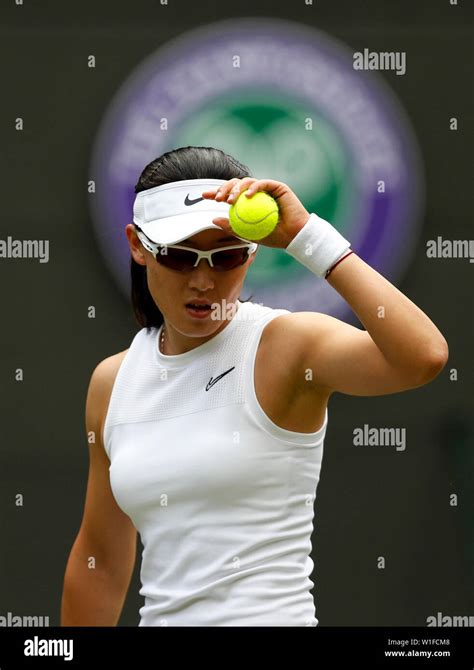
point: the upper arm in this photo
(332, 355)
(105, 527)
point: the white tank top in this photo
(221, 496)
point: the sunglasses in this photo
(184, 259)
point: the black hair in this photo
(176, 165)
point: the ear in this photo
(136, 248)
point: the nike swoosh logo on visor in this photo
(188, 202)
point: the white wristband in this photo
(318, 245)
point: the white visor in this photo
(172, 212)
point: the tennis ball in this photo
(254, 217)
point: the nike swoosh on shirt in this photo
(213, 380)
(188, 202)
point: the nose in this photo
(201, 276)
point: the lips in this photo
(198, 303)
(202, 308)
(198, 311)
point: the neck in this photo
(182, 344)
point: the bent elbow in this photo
(435, 362)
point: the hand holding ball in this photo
(255, 217)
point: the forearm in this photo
(401, 330)
(91, 596)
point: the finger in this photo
(223, 223)
(270, 186)
(212, 192)
(209, 194)
(223, 191)
(233, 186)
(241, 186)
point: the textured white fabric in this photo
(318, 245)
(221, 496)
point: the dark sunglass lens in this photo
(232, 258)
(177, 259)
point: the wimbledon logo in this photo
(285, 100)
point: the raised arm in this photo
(400, 349)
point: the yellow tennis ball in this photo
(254, 217)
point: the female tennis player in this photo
(210, 427)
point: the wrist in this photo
(318, 245)
(339, 260)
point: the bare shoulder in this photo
(100, 389)
(285, 341)
(287, 334)
(295, 323)
(283, 335)
(279, 377)
(104, 374)
(280, 347)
